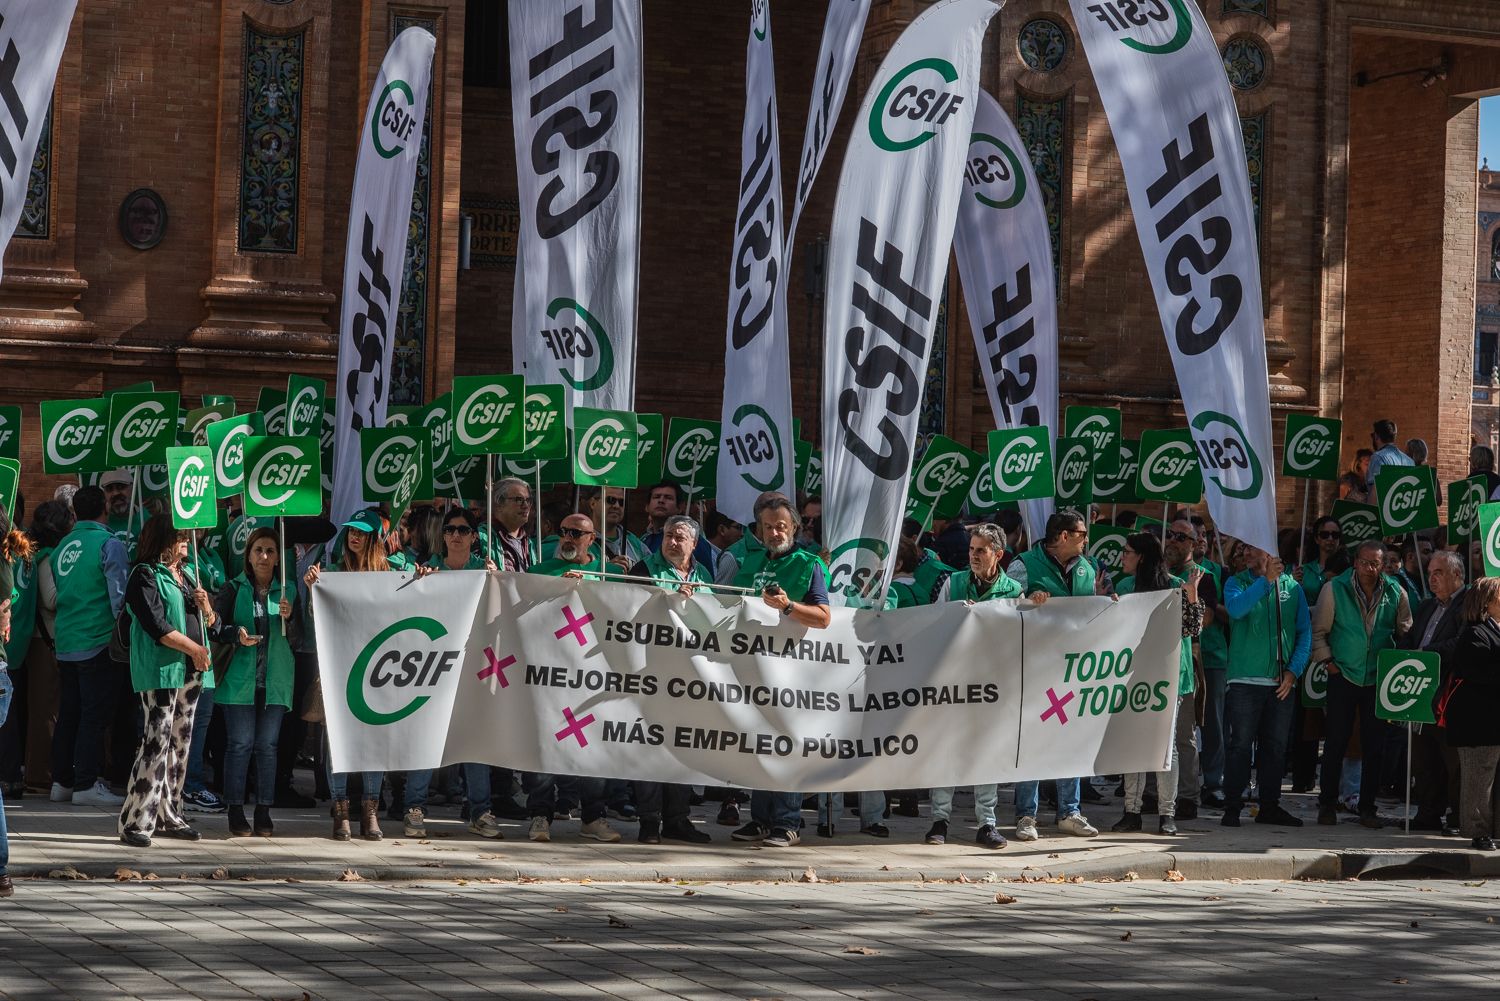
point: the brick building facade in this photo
(243, 116)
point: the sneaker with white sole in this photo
(201, 802)
(99, 795)
(1076, 825)
(1026, 829)
(782, 837)
(541, 829)
(486, 826)
(415, 823)
(599, 830)
(61, 793)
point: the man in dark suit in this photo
(1435, 626)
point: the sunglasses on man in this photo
(573, 533)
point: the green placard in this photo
(1169, 468)
(1406, 683)
(489, 414)
(981, 499)
(437, 418)
(605, 450)
(400, 415)
(408, 484)
(1311, 451)
(1021, 464)
(1408, 499)
(73, 436)
(1489, 538)
(1357, 522)
(1312, 689)
(217, 400)
(809, 469)
(10, 433)
(692, 457)
(194, 503)
(272, 403)
(1464, 500)
(1119, 487)
(651, 433)
(382, 461)
(283, 476)
(304, 405)
(554, 471)
(195, 424)
(154, 481)
(919, 509)
(942, 478)
(464, 479)
(546, 429)
(1107, 545)
(1101, 426)
(142, 426)
(330, 428)
(226, 440)
(10, 485)
(1075, 479)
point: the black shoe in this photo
(1187, 809)
(729, 813)
(239, 827)
(990, 838)
(650, 833)
(1127, 823)
(291, 799)
(263, 826)
(135, 839)
(1277, 815)
(825, 830)
(1328, 816)
(1091, 795)
(1369, 820)
(876, 831)
(1484, 844)
(1149, 803)
(1212, 799)
(183, 833)
(1231, 818)
(1301, 787)
(1451, 832)
(684, 830)
(1421, 823)
(906, 806)
(1166, 825)
(937, 834)
(6, 886)
(750, 832)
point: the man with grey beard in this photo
(574, 537)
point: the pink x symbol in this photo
(1057, 706)
(575, 625)
(574, 727)
(497, 667)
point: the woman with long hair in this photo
(1471, 712)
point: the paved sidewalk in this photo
(47, 837)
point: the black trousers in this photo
(668, 800)
(1435, 773)
(1346, 703)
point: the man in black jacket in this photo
(1435, 626)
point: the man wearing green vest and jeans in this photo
(90, 567)
(1269, 641)
(782, 570)
(1056, 568)
(1359, 613)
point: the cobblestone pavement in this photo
(1146, 939)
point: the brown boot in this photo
(369, 820)
(340, 813)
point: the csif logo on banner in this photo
(691, 453)
(1400, 504)
(1225, 455)
(394, 119)
(140, 427)
(993, 172)
(189, 487)
(1107, 545)
(282, 477)
(1169, 467)
(1074, 485)
(754, 445)
(934, 479)
(1155, 27)
(584, 338)
(856, 567)
(915, 102)
(404, 674)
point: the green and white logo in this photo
(403, 675)
(10, 483)
(283, 476)
(1101, 427)
(1314, 686)
(382, 458)
(913, 104)
(1357, 522)
(856, 567)
(408, 481)
(394, 119)
(546, 431)
(604, 448)
(154, 480)
(1075, 481)
(193, 499)
(1464, 500)
(993, 172)
(10, 433)
(692, 456)
(578, 335)
(67, 557)
(272, 405)
(304, 405)
(73, 436)
(226, 440)
(401, 415)
(1406, 682)
(809, 469)
(1155, 27)
(1408, 499)
(754, 445)
(1169, 468)
(1312, 447)
(650, 431)
(1226, 457)
(489, 415)
(1021, 464)
(437, 418)
(941, 480)
(981, 500)
(142, 426)
(1107, 545)
(197, 421)
(1489, 538)
(1119, 487)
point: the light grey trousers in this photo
(1479, 793)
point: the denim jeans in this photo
(87, 691)
(1347, 702)
(6, 691)
(871, 807)
(197, 774)
(1212, 733)
(1254, 716)
(252, 732)
(476, 792)
(1028, 795)
(986, 797)
(541, 796)
(776, 810)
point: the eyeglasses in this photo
(1179, 536)
(573, 533)
(517, 499)
(1368, 564)
(457, 530)
(615, 501)
(1331, 535)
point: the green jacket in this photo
(152, 664)
(792, 570)
(962, 587)
(1213, 643)
(556, 567)
(84, 616)
(1253, 636)
(1354, 650)
(1313, 579)
(476, 562)
(237, 681)
(22, 610)
(927, 576)
(1043, 574)
(1186, 682)
(658, 569)
(902, 594)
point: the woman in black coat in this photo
(1471, 712)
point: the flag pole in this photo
(1408, 775)
(489, 507)
(603, 528)
(1302, 538)
(536, 504)
(281, 559)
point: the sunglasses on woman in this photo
(457, 530)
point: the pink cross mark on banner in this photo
(574, 727)
(575, 625)
(497, 667)
(1057, 706)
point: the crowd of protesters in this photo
(183, 671)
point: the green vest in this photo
(476, 562)
(926, 576)
(84, 617)
(1043, 574)
(1214, 642)
(22, 611)
(793, 571)
(556, 567)
(963, 587)
(659, 569)
(743, 547)
(902, 594)
(1252, 642)
(211, 568)
(1186, 683)
(1354, 650)
(1313, 580)
(153, 665)
(235, 539)
(237, 688)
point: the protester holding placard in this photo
(1471, 712)
(1435, 627)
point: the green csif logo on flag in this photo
(993, 172)
(1169, 468)
(73, 436)
(304, 405)
(1406, 683)
(382, 458)
(1407, 498)
(692, 456)
(1465, 497)
(1021, 464)
(578, 340)
(1155, 27)
(283, 476)
(914, 104)
(1075, 480)
(226, 440)
(604, 448)
(1101, 426)
(754, 445)
(142, 426)
(1312, 447)
(489, 414)
(941, 479)
(1357, 522)
(190, 477)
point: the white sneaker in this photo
(486, 826)
(98, 795)
(415, 823)
(599, 830)
(1026, 829)
(1076, 825)
(61, 793)
(541, 829)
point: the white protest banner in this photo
(887, 259)
(575, 70)
(756, 446)
(379, 220)
(550, 675)
(1004, 251)
(33, 34)
(1162, 81)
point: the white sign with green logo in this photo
(489, 414)
(193, 499)
(1406, 683)
(1169, 469)
(283, 476)
(74, 436)
(1311, 451)
(226, 440)
(142, 426)
(1408, 499)
(604, 448)
(1021, 464)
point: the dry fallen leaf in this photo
(1217, 898)
(615, 922)
(219, 873)
(926, 913)
(123, 874)
(989, 877)
(1054, 855)
(1400, 980)
(1075, 879)
(964, 878)
(809, 875)
(1004, 898)
(1131, 877)
(1105, 879)
(861, 950)
(350, 876)
(1234, 879)
(1489, 921)
(689, 893)
(560, 909)
(1125, 937)
(1173, 876)
(66, 872)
